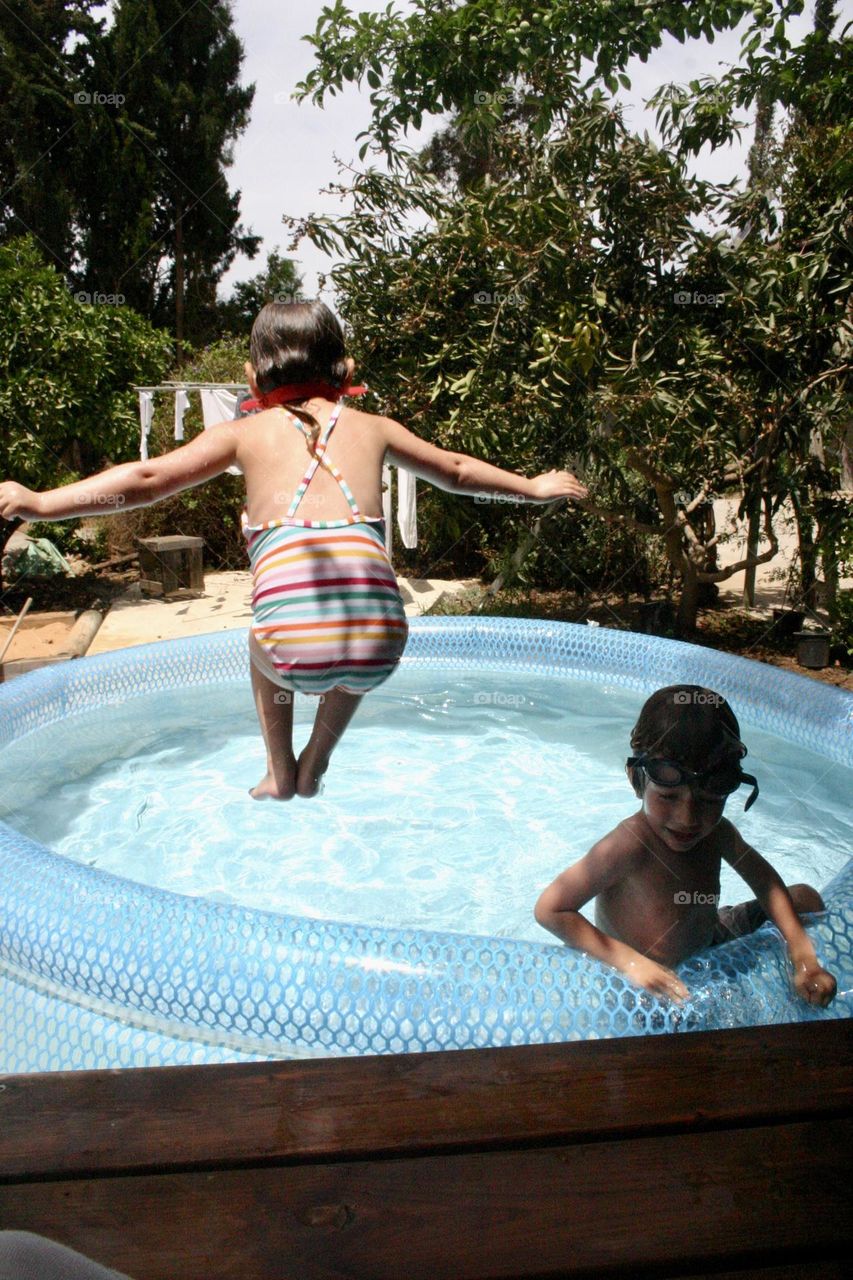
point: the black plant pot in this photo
(813, 648)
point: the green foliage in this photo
(574, 551)
(537, 286)
(67, 536)
(464, 57)
(842, 624)
(115, 140)
(278, 282)
(66, 373)
(211, 511)
(42, 54)
(158, 221)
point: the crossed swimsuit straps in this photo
(319, 459)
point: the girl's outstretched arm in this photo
(460, 473)
(131, 484)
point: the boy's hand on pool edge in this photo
(813, 983)
(656, 978)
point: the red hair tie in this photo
(300, 391)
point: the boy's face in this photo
(681, 817)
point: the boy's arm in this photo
(460, 473)
(814, 983)
(558, 911)
(129, 485)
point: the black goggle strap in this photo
(753, 782)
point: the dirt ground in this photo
(38, 640)
(56, 604)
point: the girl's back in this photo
(274, 454)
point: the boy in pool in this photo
(656, 877)
(328, 617)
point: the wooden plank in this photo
(683, 1203)
(79, 1122)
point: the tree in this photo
(42, 54)
(66, 373)
(789, 336)
(278, 282)
(158, 223)
(560, 299)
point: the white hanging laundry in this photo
(387, 508)
(146, 413)
(182, 403)
(219, 405)
(407, 507)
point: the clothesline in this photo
(220, 402)
(197, 386)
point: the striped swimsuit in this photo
(326, 607)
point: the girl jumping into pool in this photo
(328, 617)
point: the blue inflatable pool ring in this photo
(98, 971)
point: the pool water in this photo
(450, 803)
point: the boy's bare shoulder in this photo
(727, 838)
(626, 843)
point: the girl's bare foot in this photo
(309, 773)
(271, 787)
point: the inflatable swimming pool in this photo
(98, 971)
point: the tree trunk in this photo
(847, 459)
(179, 285)
(808, 554)
(752, 541)
(829, 558)
(520, 554)
(705, 526)
(688, 603)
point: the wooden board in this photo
(124, 1121)
(724, 1154)
(704, 1198)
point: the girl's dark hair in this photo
(686, 723)
(298, 342)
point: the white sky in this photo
(285, 157)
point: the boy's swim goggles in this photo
(718, 782)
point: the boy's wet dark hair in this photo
(296, 342)
(688, 724)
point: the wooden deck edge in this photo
(86, 1124)
(722, 1154)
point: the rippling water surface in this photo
(450, 803)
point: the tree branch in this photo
(720, 575)
(623, 518)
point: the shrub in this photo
(459, 538)
(66, 373)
